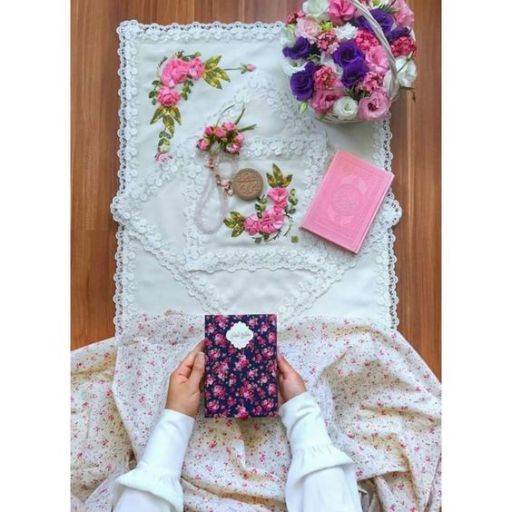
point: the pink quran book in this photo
(347, 201)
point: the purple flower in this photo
(354, 73)
(384, 19)
(302, 83)
(300, 50)
(347, 53)
(393, 35)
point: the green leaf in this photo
(271, 181)
(169, 124)
(230, 223)
(303, 106)
(221, 74)
(295, 239)
(159, 112)
(212, 80)
(258, 240)
(278, 176)
(153, 93)
(175, 113)
(292, 197)
(237, 230)
(212, 62)
(287, 180)
(155, 82)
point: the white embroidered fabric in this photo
(165, 261)
(380, 401)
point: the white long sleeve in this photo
(154, 485)
(320, 477)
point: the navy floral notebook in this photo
(241, 366)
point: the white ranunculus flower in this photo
(316, 8)
(290, 66)
(346, 31)
(345, 108)
(406, 71)
(288, 36)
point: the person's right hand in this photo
(290, 382)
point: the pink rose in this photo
(233, 148)
(168, 97)
(366, 40)
(174, 71)
(209, 131)
(239, 139)
(326, 78)
(323, 99)
(372, 82)
(404, 16)
(229, 125)
(341, 10)
(375, 106)
(162, 157)
(219, 132)
(377, 59)
(403, 46)
(279, 195)
(272, 220)
(252, 225)
(307, 27)
(203, 145)
(196, 68)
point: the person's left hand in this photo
(185, 383)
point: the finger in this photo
(185, 367)
(284, 367)
(196, 375)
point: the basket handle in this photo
(377, 29)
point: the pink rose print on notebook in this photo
(241, 367)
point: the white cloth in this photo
(165, 262)
(321, 477)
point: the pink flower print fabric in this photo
(241, 382)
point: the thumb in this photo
(285, 368)
(197, 370)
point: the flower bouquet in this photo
(348, 59)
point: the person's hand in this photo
(290, 382)
(185, 383)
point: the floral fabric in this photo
(380, 401)
(241, 382)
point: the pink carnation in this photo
(366, 40)
(229, 125)
(326, 78)
(323, 99)
(327, 41)
(341, 10)
(174, 71)
(375, 106)
(272, 220)
(308, 27)
(220, 132)
(404, 16)
(239, 139)
(168, 97)
(403, 46)
(196, 68)
(372, 82)
(279, 195)
(294, 16)
(377, 59)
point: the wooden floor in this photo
(94, 84)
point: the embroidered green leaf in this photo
(287, 180)
(271, 181)
(221, 74)
(175, 113)
(237, 230)
(303, 106)
(155, 82)
(278, 176)
(169, 124)
(159, 112)
(212, 62)
(164, 135)
(211, 79)
(295, 239)
(292, 197)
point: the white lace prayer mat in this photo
(165, 260)
(380, 401)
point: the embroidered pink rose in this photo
(279, 195)
(272, 220)
(168, 97)
(307, 27)
(377, 60)
(375, 106)
(323, 99)
(252, 225)
(404, 16)
(174, 71)
(162, 157)
(196, 68)
(341, 10)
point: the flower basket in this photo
(348, 59)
